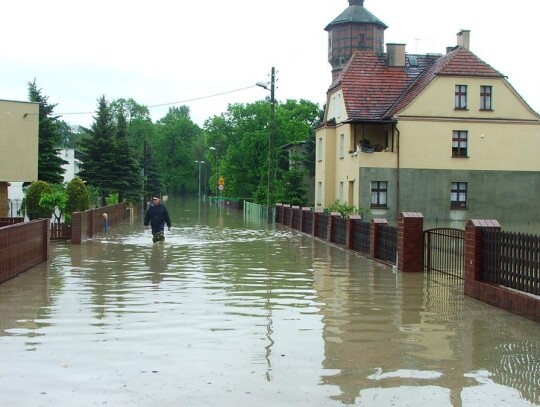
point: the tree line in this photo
(128, 157)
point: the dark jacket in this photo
(157, 216)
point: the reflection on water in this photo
(232, 313)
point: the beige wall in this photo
(506, 138)
(325, 168)
(437, 100)
(19, 127)
(491, 146)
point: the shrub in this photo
(343, 208)
(33, 195)
(78, 198)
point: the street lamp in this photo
(271, 136)
(217, 166)
(200, 163)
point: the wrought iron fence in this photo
(322, 225)
(512, 260)
(444, 251)
(307, 227)
(339, 231)
(387, 243)
(297, 219)
(360, 235)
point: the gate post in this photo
(410, 242)
(473, 252)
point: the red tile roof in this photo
(374, 91)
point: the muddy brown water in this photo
(230, 312)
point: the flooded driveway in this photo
(234, 313)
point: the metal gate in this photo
(444, 251)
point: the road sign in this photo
(220, 187)
(221, 181)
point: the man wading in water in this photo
(157, 216)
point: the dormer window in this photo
(461, 97)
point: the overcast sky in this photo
(164, 51)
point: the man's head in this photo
(155, 200)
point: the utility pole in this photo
(271, 153)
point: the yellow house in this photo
(444, 135)
(19, 129)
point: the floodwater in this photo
(234, 313)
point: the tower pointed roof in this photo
(355, 13)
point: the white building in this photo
(15, 189)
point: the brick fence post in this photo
(374, 235)
(349, 232)
(473, 253)
(410, 242)
(76, 227)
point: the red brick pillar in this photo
(473, 252)
(349, 237)
(374, 235)
(410, 242)
(76, 227)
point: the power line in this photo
(174, 103)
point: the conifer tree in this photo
(50, 138)
(98, 168)
(128, 180)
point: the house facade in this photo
(19, 129)
(444, 135)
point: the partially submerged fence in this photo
(23, 245)
(511, 260)
(375, 239)
(86, 224)
(499, 269)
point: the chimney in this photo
(395, 55)
(463, 38)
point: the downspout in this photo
(398, 198)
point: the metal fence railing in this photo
(512, 260)
(387, 244)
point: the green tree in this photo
(242, 135)
(32, 198)
(128, 180)
(55, 201)
(97, 168)
(291, 187)
(173, 151)
(50, 139)
(78, 199)
(152, 178)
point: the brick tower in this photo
(354, 29)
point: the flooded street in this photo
(234, 313)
